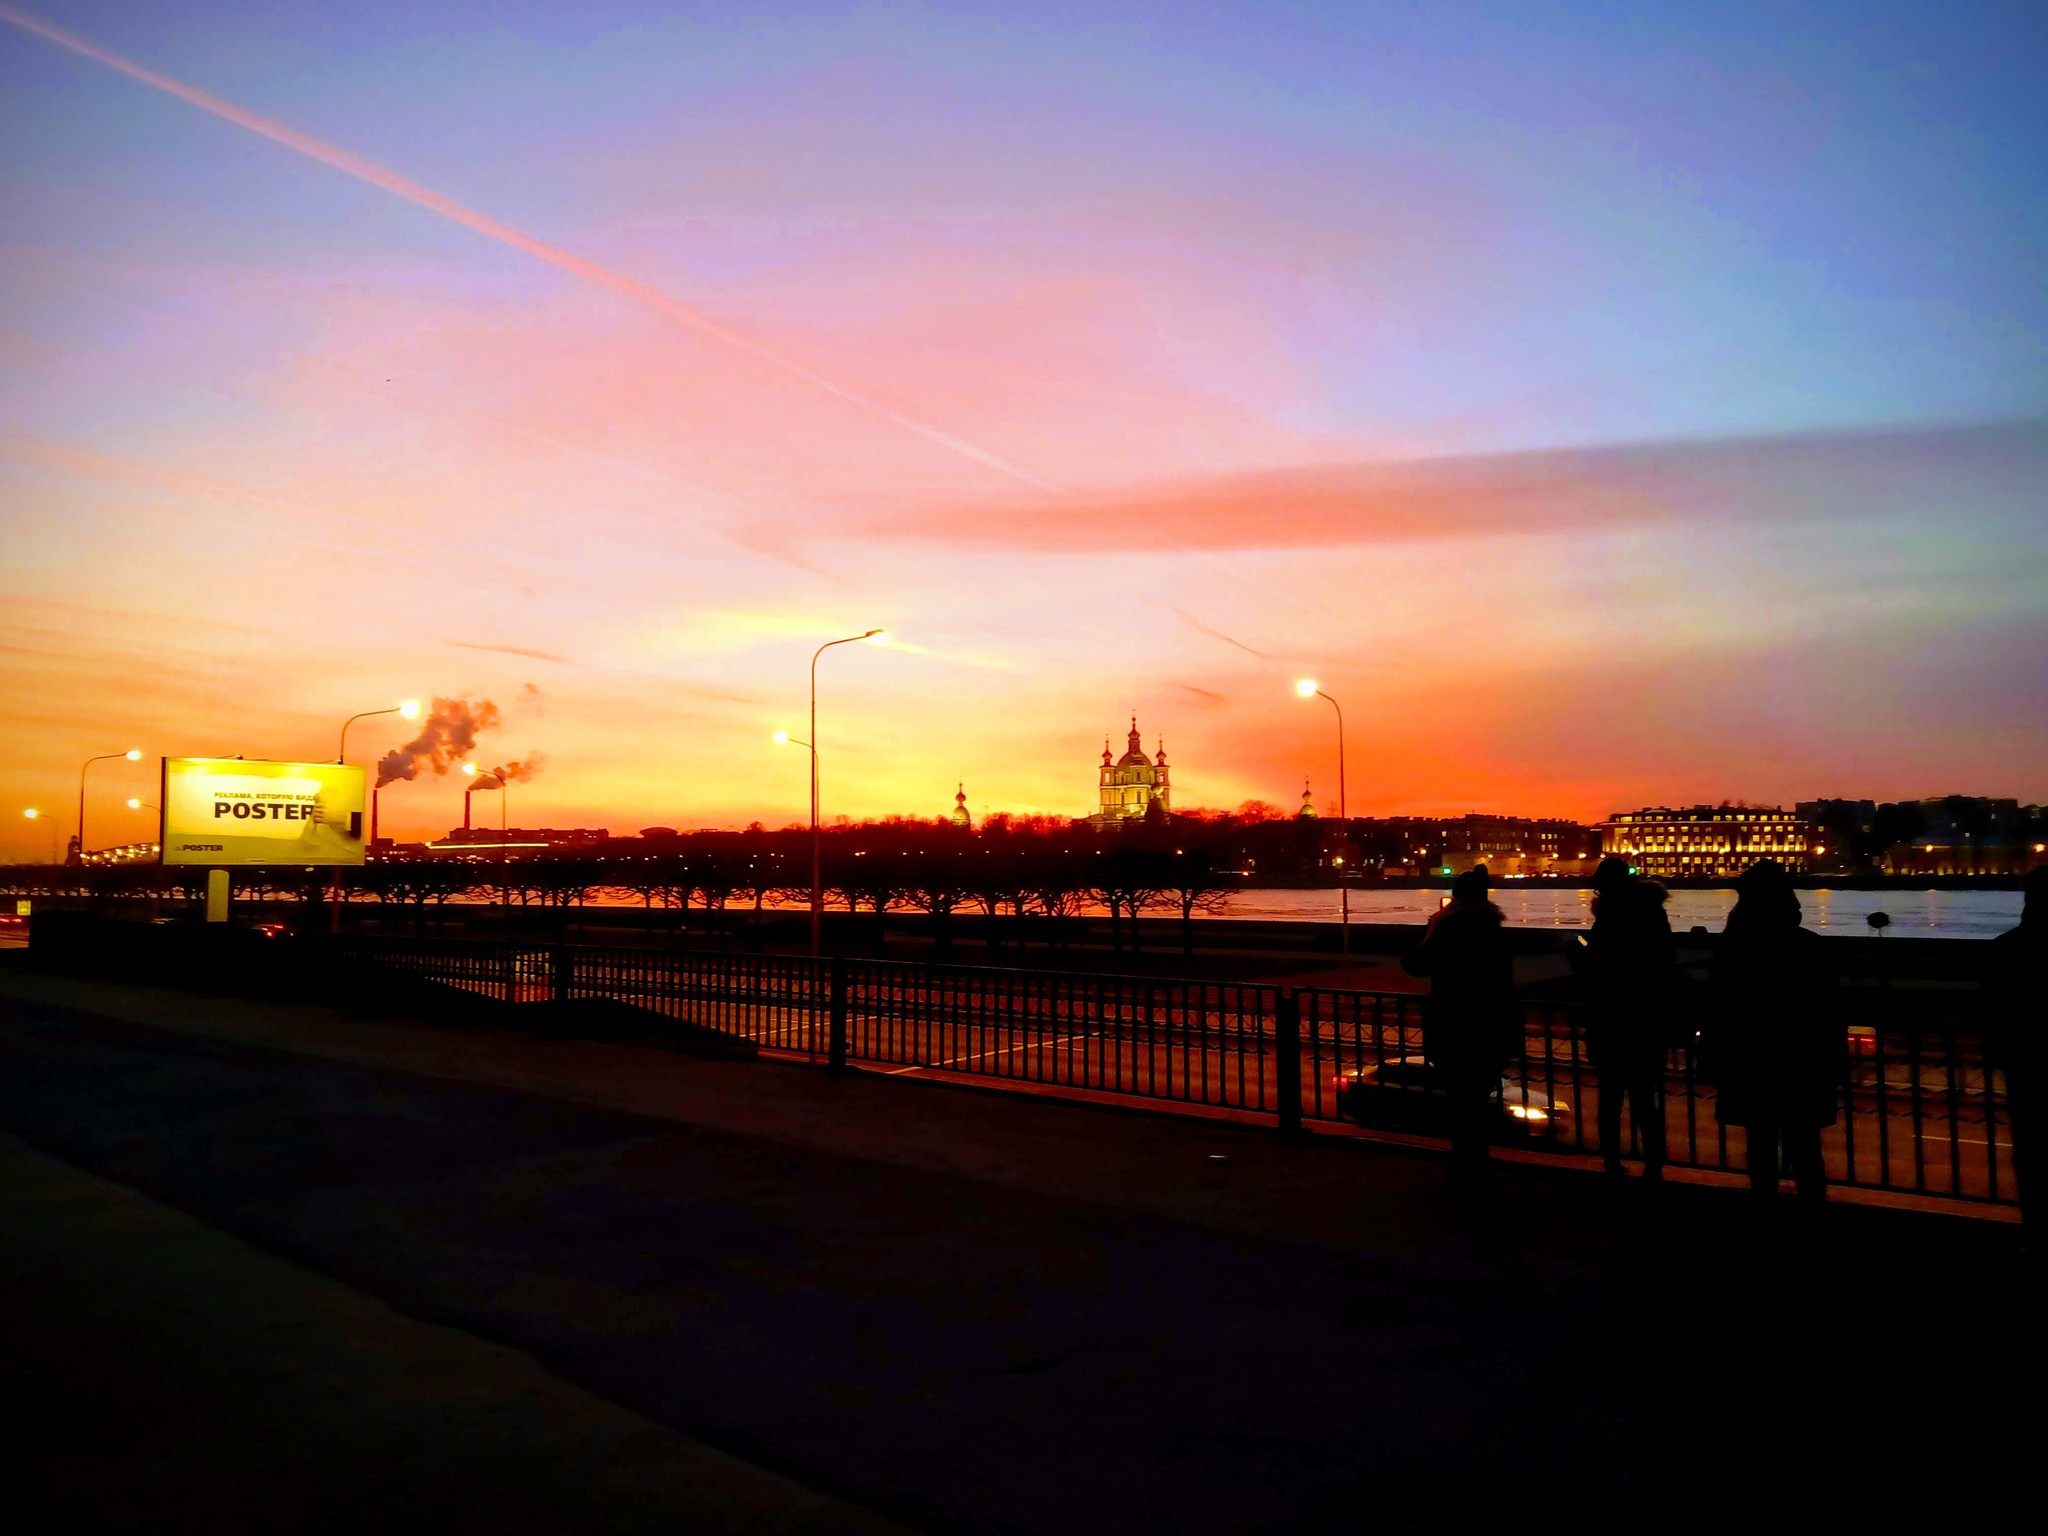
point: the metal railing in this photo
(1920, 1110)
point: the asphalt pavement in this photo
(971, 1313)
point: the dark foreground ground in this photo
(275, 1268)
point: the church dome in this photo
(1135, 757)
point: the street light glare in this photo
(133, 754)
(32, 814)
(469, 768)
(410, 709)
(1306, 687)
(134, 804)
(782, 738)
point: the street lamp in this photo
(1308, 690)
(492, 780)
(817, 867)
(409, 710)
(133, 755)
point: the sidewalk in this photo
(165, 1376)
(985, 1314)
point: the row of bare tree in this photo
(1049, 874)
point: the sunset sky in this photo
(1610, 404)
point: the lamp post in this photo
(1308, 690)
(133, 755)
(504, 836)
(485, 781)
(817, 865)
(410, 710)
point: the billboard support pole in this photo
(216, 895)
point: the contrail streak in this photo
(401, 186)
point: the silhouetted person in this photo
(2019, 1013)
(1470, 1022)
(1630, 971)
(1776, 1040)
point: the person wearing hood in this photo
(2019, 1017)
(1630, 973)
(1471, 1024)
(1775, 1033)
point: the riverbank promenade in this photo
(279, 1267)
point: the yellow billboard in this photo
(225, 811)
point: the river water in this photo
(1914, 914)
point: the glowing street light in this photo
(133, 755)
(1308, 689)
(34, 813)
(409, 710)
(817, 866)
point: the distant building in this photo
(1409, 847)
(1844, 832)
(1964, 835)
(1133, 786)
(1511, 847)
(1708, 842)
(519, 842)
(960, 818)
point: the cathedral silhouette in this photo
(1133, 786)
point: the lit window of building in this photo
(1706, 841)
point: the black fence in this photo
(1921, 1111)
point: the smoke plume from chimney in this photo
(448, 736)
(510, 773)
